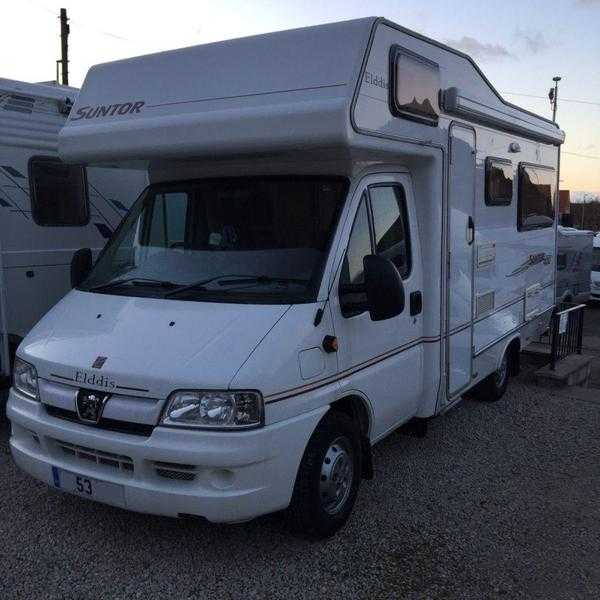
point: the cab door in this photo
(382, 360)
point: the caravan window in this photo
(498, 182)
(596, 260)
(536, 197)
(59, 195)
(415, 85)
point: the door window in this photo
(390, 225)
(353, 297)
(380, 227)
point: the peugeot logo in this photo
(90, 405)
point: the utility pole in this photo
(583, 212)
(64, 48)
(553, 95)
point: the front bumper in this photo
(236, 475)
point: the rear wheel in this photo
(492, 388)
(328, 478)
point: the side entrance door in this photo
(461, 242)
(382, 359)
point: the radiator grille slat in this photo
(100, 457)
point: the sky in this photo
(519, 44)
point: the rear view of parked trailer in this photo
(48, 208)
(348, 232)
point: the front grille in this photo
(108, 424)
(175, 471)
(109, 459)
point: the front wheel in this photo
(328, 478)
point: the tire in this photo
(328, 478)
(492, 388)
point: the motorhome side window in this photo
(536, 193)
(498, 182)
(415, 85)
(390, 230)
(59, 195)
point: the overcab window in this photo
(536, 197)
(498, 182)
(59, 195)
(415, 86)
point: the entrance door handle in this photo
(416, 303)
(470, 230)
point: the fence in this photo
(566, 331)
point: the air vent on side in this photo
(484, 303)
(16, 103)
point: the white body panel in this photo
(323, 90)
(35, 260)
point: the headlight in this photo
(214, 410)
(25, 379)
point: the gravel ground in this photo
(500, 500)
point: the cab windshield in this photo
(255, 240)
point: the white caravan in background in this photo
(47, 209)
(595, 291)
(346, 229)
(573, 264)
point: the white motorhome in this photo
(595, 291)
(573, 264)
(347, 228)
(47, 209)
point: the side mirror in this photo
(384, 287)
(81, 265)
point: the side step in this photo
(574, 369)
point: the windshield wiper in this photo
(227, 279)
(132, 281)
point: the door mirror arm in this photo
(81, 265)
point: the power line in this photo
(590, 102)
(581, 155)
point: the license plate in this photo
(88, 487)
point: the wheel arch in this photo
(358, 408)
(513, 348)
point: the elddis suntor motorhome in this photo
(347, 228)
(47, 209)
(573, 264)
